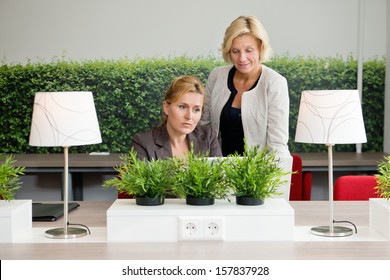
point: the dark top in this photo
(155, 144)
(232, 132)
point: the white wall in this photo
(94, 29)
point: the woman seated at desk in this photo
(182, 110)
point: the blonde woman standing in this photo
(247, 99)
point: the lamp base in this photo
(337, 231)
(61, 233)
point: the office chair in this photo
(301, 182)
(355, 187)
(122, 195)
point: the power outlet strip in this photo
(201, 228)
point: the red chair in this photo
(301, 182)
(355, 187)
(122, 195)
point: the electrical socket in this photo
(213, 228)
(201, 228)
(190, 228)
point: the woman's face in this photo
(245, 53)
(184, 114)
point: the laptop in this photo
(50, 212)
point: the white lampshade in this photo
(64, 119)
(330, 117)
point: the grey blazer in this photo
(155, 144)
(265, 108)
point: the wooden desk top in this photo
(93, 213)
(75, 160)
(310, 213)
(341, 159)
(112, 160)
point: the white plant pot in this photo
(15, 220)
(380, 216)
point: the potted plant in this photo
(383, 178)
(254, 176)
(199, 179)
(9, 177)
(148, 181)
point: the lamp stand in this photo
(65, 232)
(331, 230)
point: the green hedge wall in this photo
(128, 94)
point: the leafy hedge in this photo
(128, 94)
(335, 73)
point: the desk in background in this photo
(354, 162)
(105, 163)
(80, 164)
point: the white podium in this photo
(15, 220)
(380, 216)
(177, 221)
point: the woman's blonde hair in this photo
(181, 86)
(246, 25)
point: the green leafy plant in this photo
(383, 178)
(199, 177)
(9, 177)
(142, 178)
(255, 174)
(137, 87)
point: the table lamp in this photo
(330, 117)
(64, 119)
